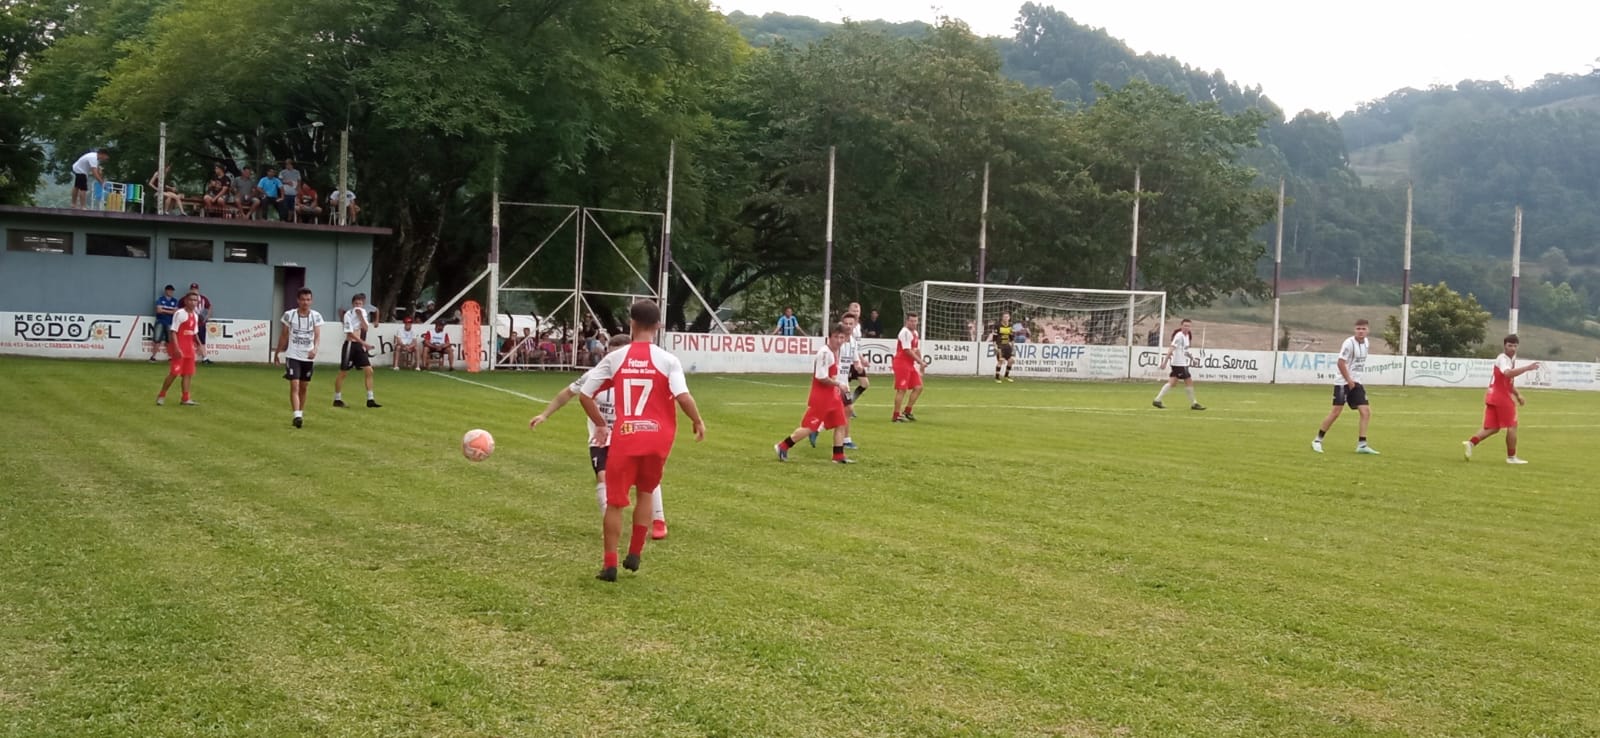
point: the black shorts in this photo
(353, 356)
(1352, 397)
(855, 373)
(202, 334)
(1003, 352)
(597, 458)
(297, 370)
(1179, 372)
(80, 181)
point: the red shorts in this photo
(818, 418)
(182, 366)
(906, 378)
(626, 472)
(1499, 416)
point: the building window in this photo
(187, 249)
(133, 247)
(40, 242)
(243, 252)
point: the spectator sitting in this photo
(872, 327)
(219, 192)
(307, 207)
(437, 343)
(246, 196)
(351, 209)
(171, 199)
(270, 189)
(405, 342)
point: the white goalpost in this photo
(963, 311)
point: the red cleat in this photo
(658, 529)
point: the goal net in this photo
(958, 311)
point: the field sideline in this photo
(1031, 559)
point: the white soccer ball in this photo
(477, 444)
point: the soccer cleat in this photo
(1316, 445)
(910, 417)
(373, 403)
(658, 530)
(338, 403)
(1008, 379)
(844, 461)
(161, 400)
(899, 419)
(1515, 460)
(206, 361)
(849, 444)
(1365, 449)
(996, 380)
(608, 574)
(1157, 405)
(783, 453)
(189, 402)
(631, 562)
(1197, 406)
(298, 421)
(152, 359)
(813, 439)
(1466, 450)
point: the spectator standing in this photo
(166, 305)
(88, 165)
(202, 310)
(291, 180)
(307, 206)
(872, 327)
(788, 324)
(245, 194)
(271, 189)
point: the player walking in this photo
(1178, 355)
(851, 362)
(1501, 401)
(597, 454)
(825, 406)
(1350, 391)
(646, 379)
(181, 352)
(302, 333)
(1003, 349)
(907, 369)
(354, 354)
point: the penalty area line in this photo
(530, 398)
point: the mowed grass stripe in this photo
(1000, 568)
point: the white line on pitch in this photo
(489, 386)
(752, 381)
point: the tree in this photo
(1443, 323)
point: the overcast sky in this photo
(1325, 56)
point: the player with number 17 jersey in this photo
(644, 379)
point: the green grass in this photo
(1028, 560)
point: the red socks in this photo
(636, 541)
(1475, 440)
(611, 560)
(838, 453)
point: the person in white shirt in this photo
(597, 454)
(88, 165)
(437, 343)
(851, 361)
(1349, 391)
(351, 209)
(1178, 356)
(302, 332)
(356, 352)
(405, 342)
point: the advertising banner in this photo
(73, 335)
(1315, 367)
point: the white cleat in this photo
(1515, 460)
(1316, 445)
(161, 400)
(1365, 449)
(1466, 450)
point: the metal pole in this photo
(666, 238)
(1277, 274)
(577, 285)
(983, 252)
(494, 271)
(1133, 260)
(344, 174)
(1358, 271)
(1516, 267)
(1405, 287)
(827, 268)
(161, 174)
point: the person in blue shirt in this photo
(788, 324)
(272, 194)
(166, 305)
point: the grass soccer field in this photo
(1030, 559)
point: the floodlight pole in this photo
(344, 175)
(1277, 274)
(1516, 267)
(827, 269)
(1133, 263)
(983, 250)
(494, 270)
(666, 237)
(161, 174)
(1405, 289)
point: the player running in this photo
(181, 352)
(1002, 337)
(646, 379)
(1350, 391)
(302, 333)
(1501, 401)
(597, 454)
(850, 357)
(1178, 355)
(354, 354)
(907, 369)
(825, 406)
